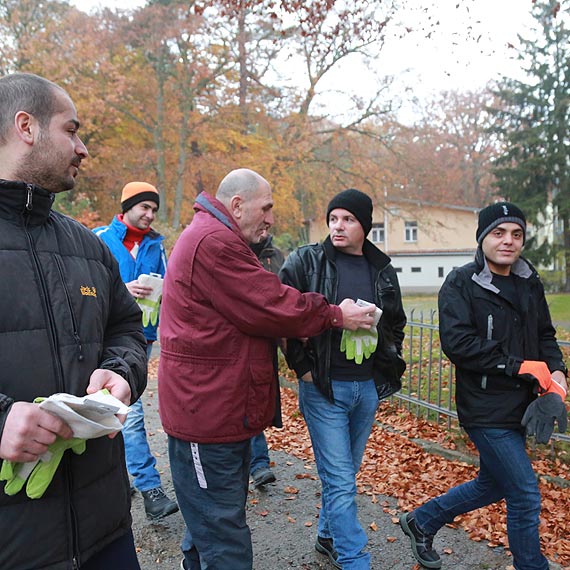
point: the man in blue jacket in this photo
(139, 250)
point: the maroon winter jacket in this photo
(220, 312)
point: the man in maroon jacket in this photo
(221, 311)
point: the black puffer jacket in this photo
(487, 338)
(312, 268)
(64, 311)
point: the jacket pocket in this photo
(260, 404)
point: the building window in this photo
(416, 269)
(411, 229)
(398, 269)
(377, 235)
(440, 271)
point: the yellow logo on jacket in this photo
(88, 291)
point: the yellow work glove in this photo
(37, 475)
(359, 344)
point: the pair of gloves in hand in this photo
(150, 305)
(37, 475)
(89, 417)
(548, 409)
(359, 344)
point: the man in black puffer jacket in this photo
(67, 324)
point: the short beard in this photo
(37, 169)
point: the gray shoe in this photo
(422, 547)
(325, 546)
(157, 504)
(262, 477)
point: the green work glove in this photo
(15, 475)
(149, 311)
(37, 475)
(43, 473)
(359, 344)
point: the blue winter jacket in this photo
(151, 257)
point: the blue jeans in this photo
(211, 483)
(339, 433)
(505, 472)
(259, 453)
(141, 463)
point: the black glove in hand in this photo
(541, 414)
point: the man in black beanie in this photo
(495, 327)
(343, 376)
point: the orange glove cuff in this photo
(538, 370)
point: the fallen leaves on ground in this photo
(394, 465)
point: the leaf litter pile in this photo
(394, 465)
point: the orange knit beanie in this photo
(135, 192)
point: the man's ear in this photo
(26, 127)
(236, 204)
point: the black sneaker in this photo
(157, 504)
(263, 476)
(325, 546)
(421, 543)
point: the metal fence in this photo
(427, 385)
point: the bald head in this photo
(240, 182)
(247, 197)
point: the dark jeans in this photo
(259, 453)
(505, 473)
(120, 554)
(211, 483)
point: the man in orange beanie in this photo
(140, 253)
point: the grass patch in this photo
(559, 304)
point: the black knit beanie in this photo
(357, 203)
(496, 214)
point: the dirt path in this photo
(283, 521)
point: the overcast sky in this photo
(468, 47)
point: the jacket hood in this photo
(484, 277)
(19, 199)
(208, 204)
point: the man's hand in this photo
(559, 377)
(355, 317)
(115, 383)
(29, 431)
(137, 290)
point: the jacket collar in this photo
(373, 255)
(120, 228)
(484, 277)
(19, 199)
(207, 203)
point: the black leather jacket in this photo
(312, 268)
(487, 338)
(64, 311)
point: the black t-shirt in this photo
(354, 282)
(507, 285)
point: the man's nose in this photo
(269, 220)
(81, 149)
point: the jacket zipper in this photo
(76, 336)
(489, 337)
(53, 339)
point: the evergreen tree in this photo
(534, 169)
